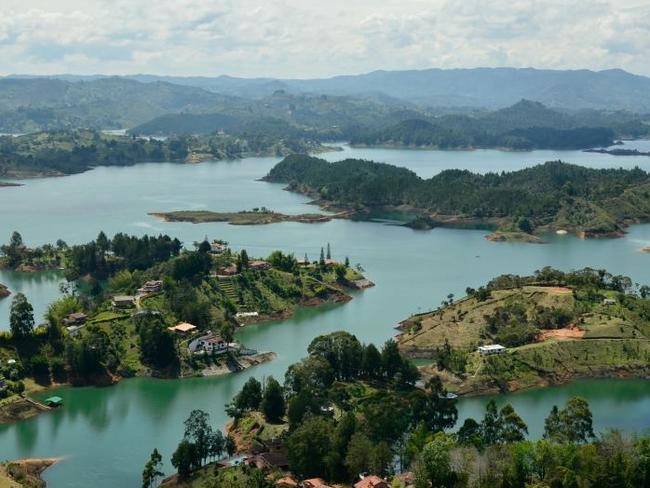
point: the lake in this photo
(106, 434)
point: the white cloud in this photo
(308, 38)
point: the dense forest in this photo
(549, 195)
(524, 126)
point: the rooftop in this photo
(182, 327)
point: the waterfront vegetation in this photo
(351, 409)
(556, 327)
(546, 197)
(76, 150)
(91, 337)
(256, 216)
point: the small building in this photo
(362, 284)
(268, 461)
(492, 349)
(77, 318)
(123, 301)
(217, 247)
(259, 265)
(372, 481)
(228, 271)
(609, 301)
(73, 330)
(11, 362)
(209, 344)
(151, 286)
(246, 315)
(303, 262)
(314, 483)
(331, 262)
(286, 482)
(54, 401)
(182, 328)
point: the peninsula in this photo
(521, 332)
(549, 197)
(143, 306)
(246, 217)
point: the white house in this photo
(210, 344)
(492, 349)
(609, 301)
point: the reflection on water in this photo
(413, 271)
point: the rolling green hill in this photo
(550, 196)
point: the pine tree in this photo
(329, 252)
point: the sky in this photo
(311, 39)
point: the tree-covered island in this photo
(518, 205)
(526, 331)
(146, 306)
(64, 152)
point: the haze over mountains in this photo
(477, 88)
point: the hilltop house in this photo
(314, 483)
(228, 271)
(151, 286)
(217, 247)
(182, 328)
(259, 265)
(609, 301)
(123, 301)
(209, 344)
(492, 349)
(77, 318)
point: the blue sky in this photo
(306, 38)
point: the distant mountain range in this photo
(487, 88)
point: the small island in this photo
(522, 332)
(521, 205)
(618, 152)
(4, 291)
(257, 216)
(144, 306)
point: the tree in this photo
(185, 459)
(309, 446)
(357, 459)
(250, 396)
(470, 434)
(435, 464)
(243, 259)
(199, 432)
(204, 247)
(329, 251)
(272, 404)
(513, 428)
(371, 361)
(21, 317)
(573, 424)
(152, 470)
(391, 359)
(438, 411)
(157, 346)
(578, 420)
(230, 445)
(491, 425)
(321, 260)
(103, 244)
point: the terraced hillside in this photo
(555, 327)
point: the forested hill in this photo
(553, 195)
(74, 151)
(525, 125)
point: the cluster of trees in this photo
(75, 151)
(524, 126)
(103, 256)
(16, 253)
(200, 444)
(591, 199)
(268, 399)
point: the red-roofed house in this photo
(372, 481)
